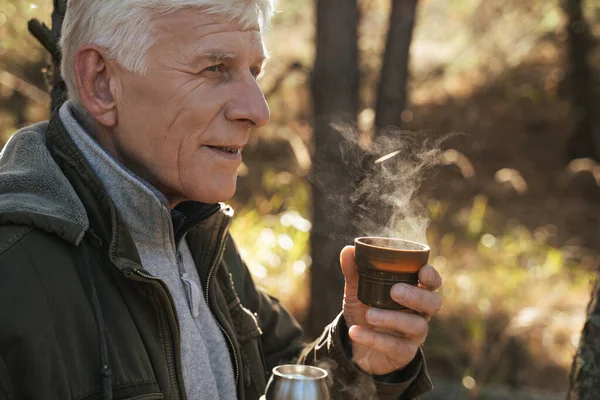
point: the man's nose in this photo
(248, 105)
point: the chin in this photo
(213, 193)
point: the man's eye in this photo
(216, 68)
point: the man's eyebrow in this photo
(219, 55)
(215, 55)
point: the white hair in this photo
(125, 27)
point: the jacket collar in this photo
(143, 208)
(106, 221)
(48, 184)
(34, 191)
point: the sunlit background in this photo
(514, 223)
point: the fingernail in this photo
(374, 315)
(355, 333)
(430, 275)
(399, 291)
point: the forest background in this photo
(511, 195)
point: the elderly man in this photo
(118, 277)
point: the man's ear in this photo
(96, 84)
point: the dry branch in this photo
(49, 38)
(44, 35)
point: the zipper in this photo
(219, 253)
(169, 295)
(172, 303)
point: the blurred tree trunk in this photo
(335, 84)
(585, 141)
(391, 96)
(49, 39)
(391, 101)
(585, 372)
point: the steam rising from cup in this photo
(388, 174)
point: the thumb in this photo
(349, 269)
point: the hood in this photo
(33, 189)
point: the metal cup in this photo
(297, 382)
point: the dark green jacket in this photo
(80, 318)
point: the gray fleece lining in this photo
(33, 189)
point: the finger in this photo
(430, 277)
(349, 269)
(418, 299)
(402, 350)
(407, 324)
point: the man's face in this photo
(182, 125)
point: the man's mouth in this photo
(232, 150)
(229, 151)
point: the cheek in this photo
(191, 125)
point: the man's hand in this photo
(384, 341)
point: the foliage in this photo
(272, 233)
(504, 284)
